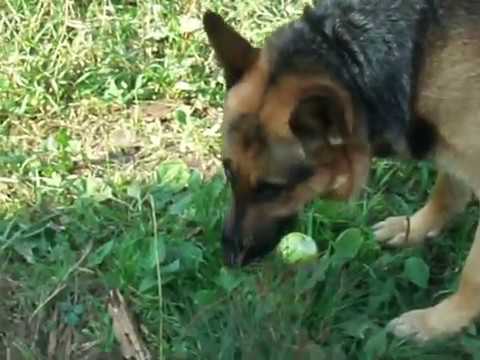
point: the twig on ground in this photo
(132, 345)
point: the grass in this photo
(109, 178)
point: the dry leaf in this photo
(53, 336)
(183, 86)
(125, 329)
(189, 25)
(123, 138)
(157, 110)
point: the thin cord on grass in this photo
(407, 233)
(159, 277)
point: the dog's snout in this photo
(241, 248)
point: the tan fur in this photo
(341, 169)
(247, 95)
(449, 96)
(448, 199)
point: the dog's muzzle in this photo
(240, 250)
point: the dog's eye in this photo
(267, 191)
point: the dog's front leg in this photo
(451, 315)
(448, 198)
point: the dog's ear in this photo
(321, 119)
(235, 53)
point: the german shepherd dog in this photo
(347, 81)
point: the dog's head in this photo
(287, 139)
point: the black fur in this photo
(233, 51)
(374, 49)
(421, 137)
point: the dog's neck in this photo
(373, 50)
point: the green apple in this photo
(297, 247)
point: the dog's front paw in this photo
(412, 325)
(432, 323)
(401, 231)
